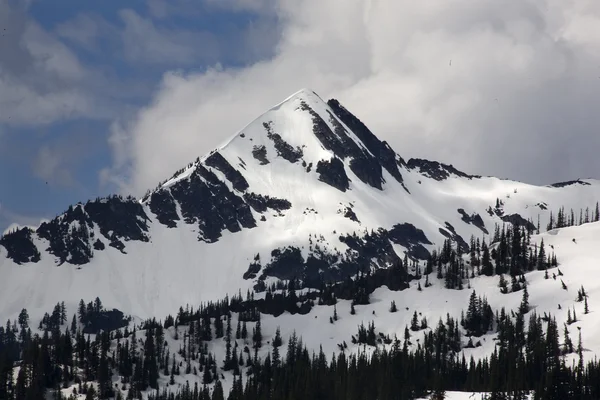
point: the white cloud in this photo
(517, 100)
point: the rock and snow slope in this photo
(578, 264)
(304, 191)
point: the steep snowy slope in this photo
(317, 330)
(305, 191)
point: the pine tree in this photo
(74, 325)
(218, 392)
(414, 323)
(541, 257)
(393, 307)
(227, 362)
(503, 285)
(257, 335)
(487, 268)
(524, 307)
(568, 346)
(244, 330)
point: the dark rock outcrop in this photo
(518, 220)
(350, 214)
(333, 173)
(286, 263)
(384, 154)
(261, 203)
(283, 148)
(412, 238)
(20, 247)
(104, 321)
(163, 206)
(119, 219)
(260, 153)
(474, 219)
(69, 236)
(366, 167)
(436, 170)
(208, 202)
(569, 183)
(451, 234)
(217, 161)
(253, 269)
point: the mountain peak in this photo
(304, 191)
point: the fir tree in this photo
(414, 323)
(524, 307)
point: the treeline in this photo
(527, 356)
(562, 219)
(510, 252)
(522, 362)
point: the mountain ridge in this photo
(304, 191)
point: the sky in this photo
(113, 97)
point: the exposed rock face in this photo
(105, 320)
(206, 201)
(333, 173)
(70, 236)
(451, 234)
(364, 165)
(260, 153)
(234, 176)
(163, 205)
(284, 149)
(371, 251)
(474, 219)
(350, 214)
(569, 183)
(119, 220)
(412, 238)
(20, 247)
(261, 203)
(436, 170)
(516, 219)
(381, 151)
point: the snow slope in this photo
(174, 267)
(577, 265)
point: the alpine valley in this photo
(306, 231)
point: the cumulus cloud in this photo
(500, 88)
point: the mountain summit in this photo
(305, 191)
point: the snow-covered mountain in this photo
(305, 191)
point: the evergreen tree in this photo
(524, 307)
(414, 323)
